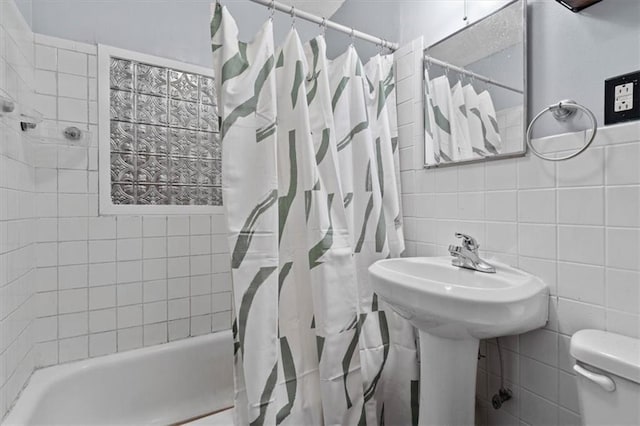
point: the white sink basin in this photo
(453, 308)
(459, 303)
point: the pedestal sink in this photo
(453, 308)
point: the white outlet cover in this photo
(623, 103)
(624, 90)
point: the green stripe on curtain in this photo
(284, 203)
(265, 399)
(290, 378)
(247, 300)
(246, 234)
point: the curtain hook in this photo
(323, 26)
(293, 16)
(272, 9)
(353, 36)
(465, 18)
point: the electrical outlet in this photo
(622, 98)
(624, 89)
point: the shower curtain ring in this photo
(323, 25)
(293, 16)
(353, 36)
(272, 9)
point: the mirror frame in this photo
(515, 154)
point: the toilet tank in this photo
(608, 375)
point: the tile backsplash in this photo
(110, 283)
(576, 224)
(17, 208)
(75, 284)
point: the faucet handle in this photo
(468, 241)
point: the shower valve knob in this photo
(504, 394)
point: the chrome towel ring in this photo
(562, 111)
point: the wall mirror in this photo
(475, 90)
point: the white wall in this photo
(576, 224)
(173, 29)
(570, 55)
(25, 7)
(17, 209)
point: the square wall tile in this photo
(178, 329)
(584, 283)
(73, 349)
(587, 169)
(155, 334)
(623, 248)
(624, 324)
(129, 338)
(623, 290)
(501, 206)
(75, 110)
(72, 62)
(72, 86)
(102, 320)
(581, 206)
(537, 206)
(74, 300)
(535, 173)
(581, 244)
(45, 82)
(46, 57)
(537, 241)
(621, 163)
(102, 344)
(623, 206)
(574, 316)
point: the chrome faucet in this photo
(466, 255)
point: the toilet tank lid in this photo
(616, 354)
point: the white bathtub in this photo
(165, 384)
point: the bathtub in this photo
(166, 384)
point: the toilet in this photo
(608, 373)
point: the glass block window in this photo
(164, 141)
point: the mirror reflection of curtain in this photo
(460, 124)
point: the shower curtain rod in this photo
(471, 74)
(327, 23)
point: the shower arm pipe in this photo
(471, 74)
(323, 22)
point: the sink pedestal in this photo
(453, 308)
(447, 380)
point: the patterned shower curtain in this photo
(311, 196)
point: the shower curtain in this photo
(311, 196)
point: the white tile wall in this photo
(576, 224)
(17, 211)
(111, 283)
(511, 127)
